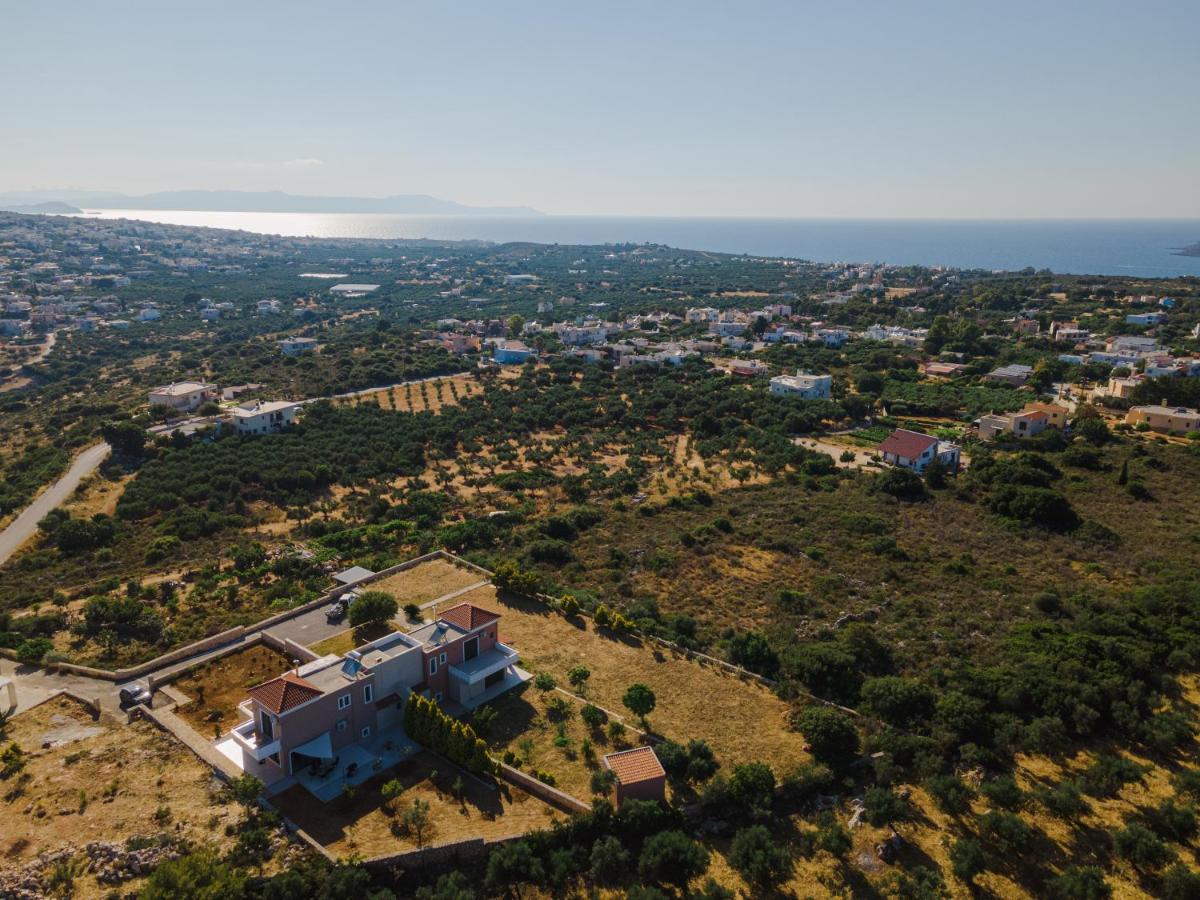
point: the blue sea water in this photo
(1137, 247)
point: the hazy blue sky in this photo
(976, 109)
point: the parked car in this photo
(340, 607)
(134, 694)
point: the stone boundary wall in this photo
(439, 854)
(552, 795)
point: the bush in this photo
(1080, 883)
(1002, 792)
(951, 794)
(831, 735)
(1180, 883)
(1063, 800)
(671, 857)
(759, 858)
(1007, 831)
(903, 484)
(32, 651)
(902, 702)
(1108, 774)
(966, 859)
(883, 806)
(752, 786)
(1141, 847)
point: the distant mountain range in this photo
(248, 201)
(49, 206)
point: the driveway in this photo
(308, 628)
(36, 684)
(23, 526)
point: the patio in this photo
(366, 759)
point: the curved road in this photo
(24, 525)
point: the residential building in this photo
(520, 279)
(149, 314)
(184, 396)
(1170, 419)
(1015, 375)
(913, 450)
(581, 335)
(294, 346)
(748, 368)
(1152, 318)
(512, 353)
(1131, 343)
(258, 417)
(637, 775)
(1122, 388)
(321, 710)
(353, 290)
(944, 369)
(804, 385)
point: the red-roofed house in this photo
(323, 710)
(913, 450)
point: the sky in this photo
(906, 109)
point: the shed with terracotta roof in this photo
(637, 774)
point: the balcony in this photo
(486, 663)
(249, 739)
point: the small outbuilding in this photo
(352, 575)
(637, 774)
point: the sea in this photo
(1130, 247)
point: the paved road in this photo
(24, 525)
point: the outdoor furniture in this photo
(351, 769)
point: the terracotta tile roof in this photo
(909, 444)
(468, 616)
(286, 692)
(633, 766)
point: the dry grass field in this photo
(363, 826)
(741, 720)
(426, 581)
(96, 780)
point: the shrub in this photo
(883, 806)
(1007, 831)
(752, 786)
(951, 794)
(1108, 774)
(759, 858)
(903, 484)
(1141, 847)
(966, 859)
(1063, 800)
(1002, 792)
(1080, 883)
(671, 857)
(831, 735)
(1180, 883)
(609, 861)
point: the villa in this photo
(184, 396)
(804, 385)
(913, 450)
(329, 721)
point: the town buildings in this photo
(1168, 419)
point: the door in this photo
(471, 648)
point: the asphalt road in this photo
(24, 525)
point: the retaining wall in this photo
(440, 854)
(552, 795)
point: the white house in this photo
(913, 450)
(802, 384)
(149, 314)
(259, 417)
(294, 346)
(184, 396)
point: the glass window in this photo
(343, 701)
(366, 732)
(368, 693)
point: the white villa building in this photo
(803, 385)
(184, 396)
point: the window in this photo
(267, 728)
(433, 665)
(366, 732)
(342, 724)
(343, 701)
(368, 693)
(442, 659)
(438, 697)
